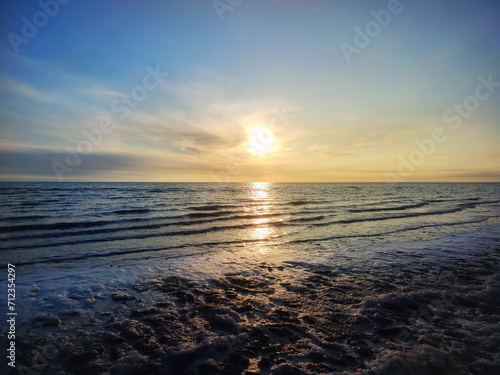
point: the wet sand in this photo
(281, 317)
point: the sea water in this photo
(333, 277)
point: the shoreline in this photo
(276, 313)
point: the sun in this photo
(261, 141)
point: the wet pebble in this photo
(282, 332)
(122, 297)
(223, 322)
(48, 320)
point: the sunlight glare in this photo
(261, 141)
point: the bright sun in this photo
(261, 141)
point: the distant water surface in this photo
(114, 222)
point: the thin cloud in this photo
(13, 87)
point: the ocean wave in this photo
(29, 204)
(385, 233)
(297, 203)
(156, 191)
(380, 218)
(65, 230)
(61, 226)
(212, 207)
(183, 232)
(210, 214)
(471, 205)
(22, 218)
(303, 219)
(394, 208)
(132, 211)
(97, 255)
(256, 216)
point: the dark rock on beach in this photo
(122, 297)
(48, 320)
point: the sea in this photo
(254, 278)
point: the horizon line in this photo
(253, 182)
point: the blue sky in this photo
(273, 64)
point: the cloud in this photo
(42, 68)
(38, 162)
(13, 87)
(22, 161)
(100, 93)
(197, 118)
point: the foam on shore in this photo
(421, 307)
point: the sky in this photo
(250, 90)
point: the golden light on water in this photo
(261, 141)
(260, 195)
(260, 191)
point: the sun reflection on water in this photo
(262, 201)
(259, 190)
